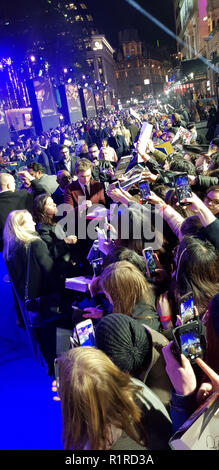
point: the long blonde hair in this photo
(15, 234)
(95, 396)
(126, 286)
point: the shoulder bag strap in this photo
(27, 273)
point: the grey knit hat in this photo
(125, 341)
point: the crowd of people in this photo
(134, 389)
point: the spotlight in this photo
(32, 58)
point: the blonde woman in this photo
(104, 409)
(130, 293)
(22, 243)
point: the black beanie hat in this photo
(125, 341)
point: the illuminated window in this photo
(71, 6)
(79, 18)
(89, 18)
(83, 6)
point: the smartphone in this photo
(182, 187)
(97, 265)
(56, 370)
(85, 333)
(144, 189)
(186, 307)
(190, 341)
(149, 260)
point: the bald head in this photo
(7, 182)
(63, 178)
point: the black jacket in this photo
(43, 276)
(119, 144)
(62, 166)
(60, 251)
(17, 200)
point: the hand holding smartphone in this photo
(182, 188)
(144, 189)
(186, 308)
(85, 333)
(149, 260)
(189, 340)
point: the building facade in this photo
(138, 74)
(197, 27)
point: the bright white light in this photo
(32, 58)
(65, 70)
(205, 18)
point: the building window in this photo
(89, 18)
(71, 6)
(83, 6)
(79, 18)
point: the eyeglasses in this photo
(213, 201)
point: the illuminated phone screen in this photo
(86, 335)
(191, 345)
(187, 310)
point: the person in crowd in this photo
(84, 186)
(184, 113)
(196, 271)
(54, 148)
(93, 152)
(126, 134)
(11, 199)
(177, 121)
(134, 130)
(48, 182)
(84, 135)
(22, 244)
(44, 160)
(104, 408)
(185, 395)
(211, 200)
(94, 132)
(118, 142)
(44, 212)
(63, 179)
(107, 153)
(67, 161)
(128, 291)
(211, 121)
(136, 349)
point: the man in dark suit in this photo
(118, 142)
(94, 193)
(44, 160)
(67, 161)
(63, 179)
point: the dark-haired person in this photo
(44, 159)
(48, 182)
(63, 179)
(118, 142)
(44, 212)
(67, 161)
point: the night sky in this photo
(112, 16)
